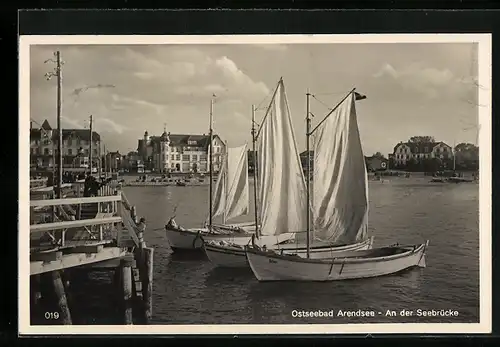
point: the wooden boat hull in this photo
(193, 239)
(235, 256)
(270, 266)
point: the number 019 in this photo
(51, 315)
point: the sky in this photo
(411, 88)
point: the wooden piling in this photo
(133, 213)
(62, 302)
(126, 277)
(36, 293)
(147, 283)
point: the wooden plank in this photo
(75, 201)
(73, 224)
(77, 259)
(85, 249)
(46, 256)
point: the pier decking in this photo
(88, 234)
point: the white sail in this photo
(220, 191)
(340, 196)
(231, 197)
(238, 200)
(281, 183)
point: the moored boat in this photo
(340, 210)
(193, 238)
(283, 198)
(270, 266)
(227, 254)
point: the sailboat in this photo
(340, 211)
(230, 200)
(282, 195)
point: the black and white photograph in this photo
(255, 184)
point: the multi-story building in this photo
(75, 146)
(111, 161)
(180, 153)
(404, 151)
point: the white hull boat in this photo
(193, 239)
(222, 254)
(271, 266)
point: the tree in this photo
(412, 164)
(378, 155)
(421, 139)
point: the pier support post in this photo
(36, 295)
(62, 302)
(126, 276)
(147, 282)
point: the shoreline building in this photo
(75, 146)
(404, 151)
(179, 152)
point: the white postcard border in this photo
(485, 143)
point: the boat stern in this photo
(421, 263)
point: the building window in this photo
(172, 165)
(70, 151)
(203, 157)
(86, 151)
(185, 157)
(172, 157)
(194, 157)
(46, 151)
(95, 151)
(70, 142)
(177, 157)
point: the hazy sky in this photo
(412, 89)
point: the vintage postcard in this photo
(260, 184)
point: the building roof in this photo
(420, 147)
(82, 134)
(46, 125)
(179, 140)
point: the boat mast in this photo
(210, 165)
(309, 132)
(226, 185)
(308, 175)
(254, 157)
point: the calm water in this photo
(188, 290)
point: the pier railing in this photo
(97, 232)
(60, 230)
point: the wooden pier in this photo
(78, 234)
